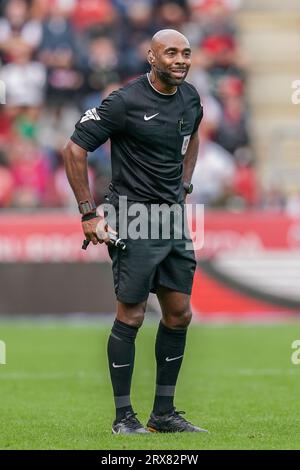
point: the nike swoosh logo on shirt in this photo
(120, 365)
(169, 359)
(147, 118)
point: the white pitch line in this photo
(49, 376)
(262, 372)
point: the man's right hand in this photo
(96, 230)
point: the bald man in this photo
(153, 126)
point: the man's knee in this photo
(131, 314)
(179, 317)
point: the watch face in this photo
(85, 207)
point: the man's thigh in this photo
(177, 270)
(134, 269)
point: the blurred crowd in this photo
(61, 57)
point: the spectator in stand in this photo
(88, 14)
(102, 67)
(137, 27)
(25, 79)
(217, 19)
(30, 172)
(220, 59)
(58, 53)
(6, 128)
(210, 18)
(171, 13)
(215, 169)
(232, 131)
(6, 182)
(25, 82)
(17, 27)
(52, 127)
(245, 184)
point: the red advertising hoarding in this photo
(233, 243)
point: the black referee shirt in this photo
(149, 133)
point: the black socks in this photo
(169, 350)
(121, 352)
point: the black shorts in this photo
(149, 263)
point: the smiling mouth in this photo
(178, 72)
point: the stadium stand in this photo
(270, 32)
(60, 58)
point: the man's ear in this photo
(150, 57)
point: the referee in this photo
(152, 123)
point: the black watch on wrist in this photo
(188, 187)
(86, 207)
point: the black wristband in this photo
(91, 215)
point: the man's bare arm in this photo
(75, 159)
(190, 158)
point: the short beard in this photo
(168, 80)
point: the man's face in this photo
(172, 61)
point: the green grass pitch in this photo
(236, 381)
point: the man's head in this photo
(170, 56)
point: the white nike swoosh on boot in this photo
(169, 359)
(119, 365)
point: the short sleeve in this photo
(199, 115)
(97, 125)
